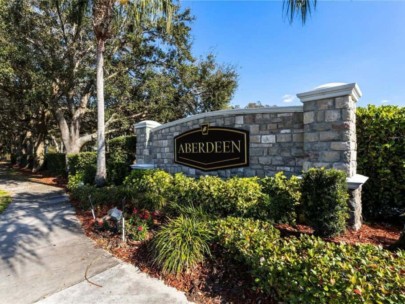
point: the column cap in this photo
(330, 90)
(147, 124)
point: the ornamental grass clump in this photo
(181, 244)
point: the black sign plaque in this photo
(212, 148)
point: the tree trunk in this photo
(39, 155)
(101, 174)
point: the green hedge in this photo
(325, 200)
(109, 196)
(381, 157)
(309, 270)
(123, 148)
(83, 165)
(284, 195)
(234, 196)
(121, 155)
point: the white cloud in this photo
(385, 101)
(288, 98)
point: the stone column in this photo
(143, 143)
(330, 135)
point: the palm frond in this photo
(298, 8)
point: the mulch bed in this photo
(220, 279)
(43, 177)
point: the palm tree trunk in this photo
(101, 174)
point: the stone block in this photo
(311, 137)
(265, 160)
(285, 131)
(325, 104)
(239, 120)
(310, 105)
(298, 117)
(329, 156)
(272, 126)
(342, 166)
(249, 119)
(342, 125)
(298, 152)
(342, 102)
(321, 126)
(284, 137)
(285, 124)
(332, 115)
(340, 146)
(257, 151)
(254, 129)
(330, 136)
(306, 165)
(268, 139)
(255, 139)
(229, 121)
(309, 117)
(320, 116)
(277, 160)
(284, 169)
(298, 137)
(348, 115)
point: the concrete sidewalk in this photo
(44, 255)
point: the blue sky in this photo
(343, 41)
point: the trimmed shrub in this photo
(134, 179)
(157, 189)
(309, 270)
(55, 163)
(381, 157)
(235, 196)
(84, 163)
(184, 190)
(325, 200)
(284, 195)
(239, 236)
(123, 148)
(152, 188)
(181, 244)
(117, 171)
(109, 196)
(121, 155)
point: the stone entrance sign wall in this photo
(321, 133)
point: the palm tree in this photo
(104, 14)
(300, 8)
(103, 17)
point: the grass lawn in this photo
(5, 199)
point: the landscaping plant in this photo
(310, 270)
(381, 157)
(138, 224)
(181, 244)
(325, 201)
(5, 200)
(284, 197)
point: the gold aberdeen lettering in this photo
(218, 147)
